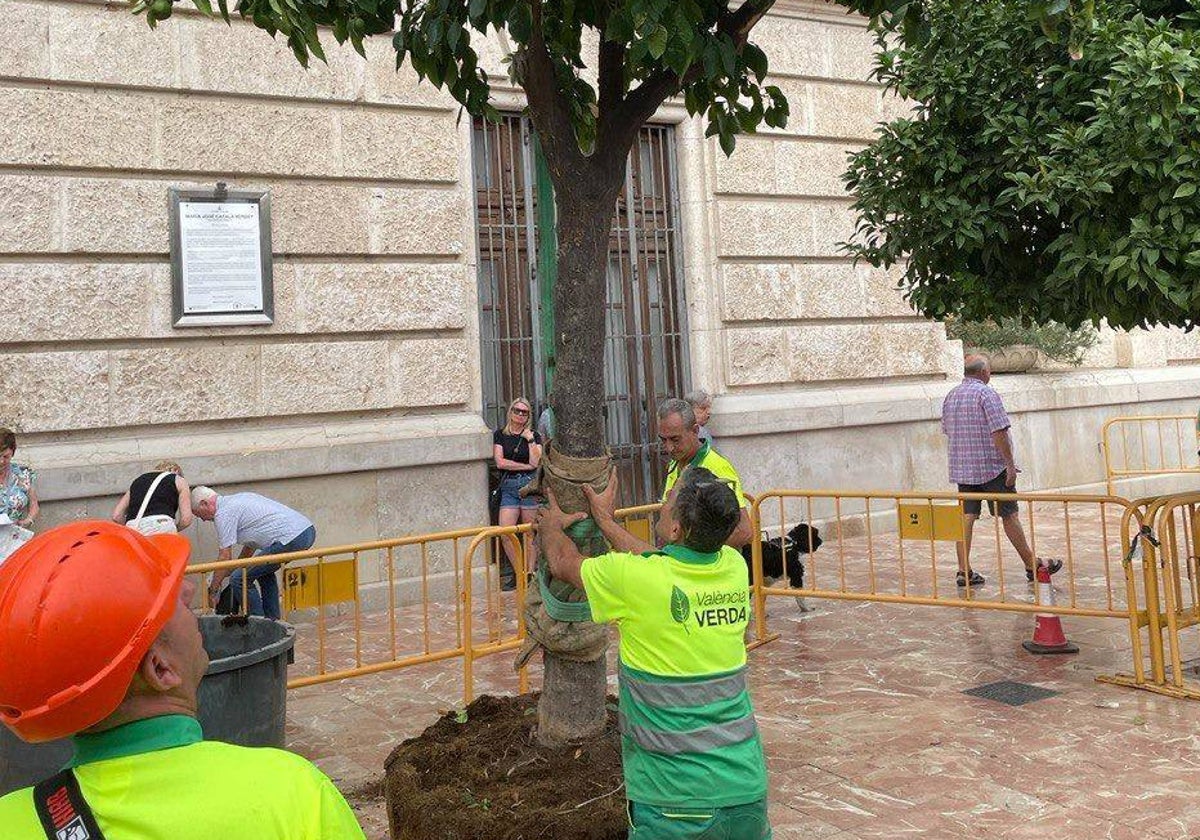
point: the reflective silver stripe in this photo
(692, 741)
(672, 695)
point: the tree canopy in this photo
(649, 50)
(1031, 183)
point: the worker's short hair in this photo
(677, 406)
(706, 509)
(699, 398)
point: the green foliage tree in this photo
(1049, 170)
(648, 52)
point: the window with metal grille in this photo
(646, 349)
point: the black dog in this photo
(781, 556)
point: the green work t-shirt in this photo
(156, 779)
(715, 463)
(682, 616)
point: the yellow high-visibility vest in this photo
(156, 779)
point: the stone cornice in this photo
(817, 10)
(105, 468)
(738, 415)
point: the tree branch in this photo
(547, 105)
(737, 25)
(611, 80)
(642, 102)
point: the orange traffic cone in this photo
(1048, 636)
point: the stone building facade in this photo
(361, 404)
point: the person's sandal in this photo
(1052, 565)
(976, 579)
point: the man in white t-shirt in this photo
(261, 526)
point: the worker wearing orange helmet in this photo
(117, 668)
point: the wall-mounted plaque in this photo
(221, 258)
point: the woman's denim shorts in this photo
(510, 485)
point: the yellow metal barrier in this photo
(1167, 547)
(1148, 445)
(349, 629)
(884, 547)
(901, 548)
(355, 629)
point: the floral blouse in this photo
(14, 493)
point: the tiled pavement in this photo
(867, 731)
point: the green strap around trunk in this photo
(570, 611)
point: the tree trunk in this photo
(573, 697)
(571, 707)
(580, 291)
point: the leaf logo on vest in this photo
(681, 608)
(68, 825)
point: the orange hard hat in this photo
(80, 605)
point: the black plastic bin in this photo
(243, 694)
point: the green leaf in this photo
(756, 60)
(204, 6)
(298, 50)
(1185, 190)
(656, 43)
(520, 22)
(728, 57)
(681, 607)
(314, 42)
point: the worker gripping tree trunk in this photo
(690, 745)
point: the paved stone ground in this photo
(867, 731)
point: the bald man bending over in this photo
(982, 461)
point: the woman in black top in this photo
(517, 449)
(168, 508)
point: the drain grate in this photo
(1010, 693)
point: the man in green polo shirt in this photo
(690, 745)
(117, 667)
(679, 436)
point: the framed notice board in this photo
(221, 258)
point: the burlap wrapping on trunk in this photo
(556, 613)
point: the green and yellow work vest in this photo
(156, 779)
(688, 734)
(712, 461)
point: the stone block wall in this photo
(790, 308)
(362, 398)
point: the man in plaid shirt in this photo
(981, 461)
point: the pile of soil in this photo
(482, 776)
